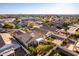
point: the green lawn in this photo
(50, 39)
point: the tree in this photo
(9, 26)
(2, 17)
(25, 29)
(30, 24)
(17, 21)
(47, 22)
(33, 50)
(50, 39)
(42, 49)
(66, 23)
(77, 32)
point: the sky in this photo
(39, 8)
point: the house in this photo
(72, 46)
(1, 25)
(18, 32)
(72, 29)
(24, 21)
(76, 48)
(66, 51)
(23, 39)
(13, 31)
(7, 20)
(58, 37)
(22, 24)
(44, 32)
(37, 25)
(38, 21)
(2, 30)
(57, 22)
(36, 35)
(52, 28)
(59, 32)
(27, 19)
(8, 45)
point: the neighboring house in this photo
(22, 24)
(1, 25)
(77, 47)
(2, 30)
(19, 32)
(27, 19)
(72, 29)
(44, 26)
(37, 25)
(43, 32)
(56, 32)
(8, 45)
(66, 51)
(57, 22)
(13, 31)
(38, 21)
(7, 20)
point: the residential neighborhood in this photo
(39, 35)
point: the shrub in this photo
(9, 26)
(24, 29)
(40, 49)
(50, 39)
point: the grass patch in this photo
(41, 49)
